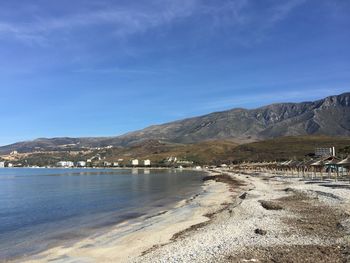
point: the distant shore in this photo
(235, 218)
(110, 168)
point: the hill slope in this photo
(223, 151)
(329, 116)
(286, 148)
(208, 152)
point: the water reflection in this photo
(37, 205)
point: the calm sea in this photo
(40, 208)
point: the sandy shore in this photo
(275, 219)
(236, 218)
(129, 240)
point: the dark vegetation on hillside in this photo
(213, 152)
(286, 148)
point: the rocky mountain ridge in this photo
(329, 116)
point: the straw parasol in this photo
(318, 163)
(345, 162)
(332, 162)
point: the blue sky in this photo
(100, 68)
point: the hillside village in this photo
(294, 153)
(91, 158)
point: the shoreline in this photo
(277, 219)
(145, 233)
(254, 218)
(100, 168)
(27, 243)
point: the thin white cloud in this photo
(255, 24)
(116, 71)
(125, 21)
(281, 11)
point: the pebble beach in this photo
(235, 218)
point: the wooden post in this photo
(337, 173)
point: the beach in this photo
(235, 218)
(129, 240)
(274, 219)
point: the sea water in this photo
(40, 208)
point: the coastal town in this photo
(15, 159)
(325, 163)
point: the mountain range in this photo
(329, 116)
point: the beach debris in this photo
(243, 196)
(209, 177)
(340, 226)
(259, 231)
(269, 205)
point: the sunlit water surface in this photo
(41, 207)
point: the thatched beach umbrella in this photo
(293, 164)
(332, 163)
(305, 166)
(289, 165)
(345, 163)
(318, 165)
(272, 167)
(301, 166)
(284, 166)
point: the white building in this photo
(9, 165)
(81, 164)
(172, 159)
(115, 164)
(61, 164)
(324, 152)
(184, 162)
(14, 153)
(134, 162)
(107, 164)
(2, 164)
(65, 164)
(147, 162)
